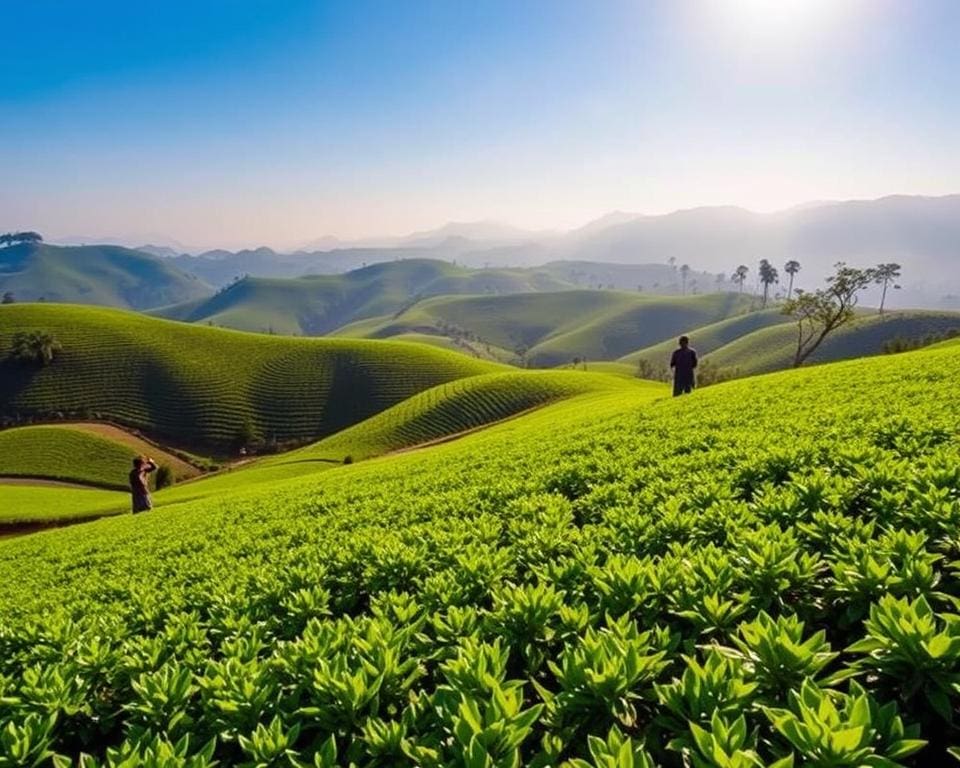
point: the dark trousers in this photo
(682, 387)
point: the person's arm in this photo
(673, 360)
(693, 358)
(151, 465)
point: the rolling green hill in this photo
(456, 407)
(772, 348)
(210, 387)
(553, 328)
(649, 581)
(87, 454)
(106, 275)
(708, 338)
(317, 304)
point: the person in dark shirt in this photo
(139, 487)
(683, 361)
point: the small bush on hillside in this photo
(36, 347)
(903, 344)
(165, 477)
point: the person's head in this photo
(684, 342)
(138, 462)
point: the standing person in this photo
(139, 483)
(683, 361)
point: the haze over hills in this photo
(922, 233)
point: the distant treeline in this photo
(13, 238)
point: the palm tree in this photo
(884, 274)
(768, 276)
(684, 272)
(740, 276)
(791, 268)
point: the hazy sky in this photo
(240, 122)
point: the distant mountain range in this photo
(921, 233)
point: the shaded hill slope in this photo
(552, 328)
(707, 338)
(318, 304)
(207, 386)
(105, 275)
(773, 348)
(458, 406)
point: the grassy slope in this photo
(37, 504)
(97, 274)
(76, 454)
(199, 386)
(585, 506)
(318, 304)
(773, 348)
(707, 338)
(439, 413)
(554, 327)
(458, 406)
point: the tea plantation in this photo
(764, 573)
(207, 387)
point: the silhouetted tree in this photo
(8, 298)
(768, 276)
(885, 274)
(820, 313)
(740, 276)
(791, 268)
(684, 273)
(12, 238)
(721, 281)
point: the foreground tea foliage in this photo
(764, 573)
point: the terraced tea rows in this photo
(763, 573)
(77, 454)
(211, 387)
(459, 406)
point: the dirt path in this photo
(181, 468)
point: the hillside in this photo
(456, 407)
(105, 275)
(91, 454)
(666, 577)
(210, 387)
(318, 304)
(773, 348)
(553, 328)
(707, 338)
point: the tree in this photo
(791, 268)
(768, 276)
(8, 298)
(820, 313)
(720, 281)
(37, 347)
(885, 274)
(10, 238)
(739, 276)
(684, 273)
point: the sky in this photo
(229, 123)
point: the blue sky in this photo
(243, 122)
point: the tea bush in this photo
(762, 573)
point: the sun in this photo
(772, 23)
